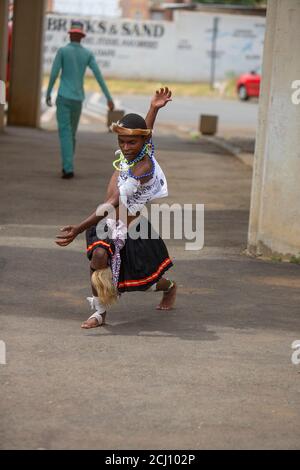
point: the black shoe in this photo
(68, 175)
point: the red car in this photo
(248, 85)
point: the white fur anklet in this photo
(95, 303)
(100, 309)
(98, 316)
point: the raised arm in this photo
(159, 100)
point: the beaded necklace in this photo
(122, 164)
(151, 156)
(128, 164)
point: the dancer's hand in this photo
(48, 101)
(110, 105)
(161, 98)
(70, 232)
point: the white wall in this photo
(162, 50)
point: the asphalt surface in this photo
(234, 117)
(214, 373)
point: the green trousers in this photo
(68, 115)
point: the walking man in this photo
(72, 60)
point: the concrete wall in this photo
(275, 205)
(161, 50)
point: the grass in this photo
(295, 259)
(144, 87)
(276, 259)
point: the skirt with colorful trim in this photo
(143, 260)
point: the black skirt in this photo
(143, 261)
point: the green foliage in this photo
(295, 259)
(276, 259)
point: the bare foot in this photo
(168, 299)
(93, 322)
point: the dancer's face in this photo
(131, 145)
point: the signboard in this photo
(180, 50)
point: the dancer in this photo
(119, 262)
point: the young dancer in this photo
(119, 262)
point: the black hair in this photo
(133, 121)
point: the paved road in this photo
(235, 117)
(185, 111)
(215, 373)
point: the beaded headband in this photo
(120, 129)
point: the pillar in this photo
(274, 225)
(26, 66)
(3, 50)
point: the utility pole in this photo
(214, 51)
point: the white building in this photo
(87, 7)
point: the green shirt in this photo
(73, 60)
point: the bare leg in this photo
(99, 261)
(169, 289)
(95, 293)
